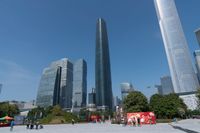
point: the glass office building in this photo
(197, 62)
(92, 97)
(66, 84)
(56, 85)
(126, 88)
(167, 86)
(80, 83)
(48, 92)
(103, 82)
(182, 73)
(197, 32)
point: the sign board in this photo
(144, 117)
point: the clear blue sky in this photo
(34, 33)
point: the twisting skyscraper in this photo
(102, 67)
(180, 64)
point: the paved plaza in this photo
(185, 126)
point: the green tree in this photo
(36, 113)
(135, 102)
(155, 105)
(57, 111)
(167, 106)
(8, 109)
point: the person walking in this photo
(138, 120)
(36, 125)
(27, 124)
(73, 121)
(11, 125)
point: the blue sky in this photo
(36, 32)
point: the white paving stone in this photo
(189, 125)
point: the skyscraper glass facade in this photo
(197, 62)
(167, 86)
(66, 84)
(56, 85)
(102, 67)
(92, 97)
(197, 32)
(182, 73)
(49, 88)
(80, 83)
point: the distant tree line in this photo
(8, 109)
(51, 114)
(164, 107)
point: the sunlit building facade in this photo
(80, 83)
(197, 62)
(182, 73)
(56, 85)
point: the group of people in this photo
(134, 121)
(30, 125)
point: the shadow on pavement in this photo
(184, 129)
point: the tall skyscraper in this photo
(103, 82)
(126, 88)
(197, 54)
(92, 97)
(182, 73)
(80, 83)
(92, 100)
(56, 85)
(48, 92)
(197, 62)
(167, 86)
(197, 32)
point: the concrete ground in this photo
(185, 126)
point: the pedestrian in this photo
(27, 124)
(11, 125)
(36, 125)
(138, 120)
(32, 125)
(73, 121)
(133, 122)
